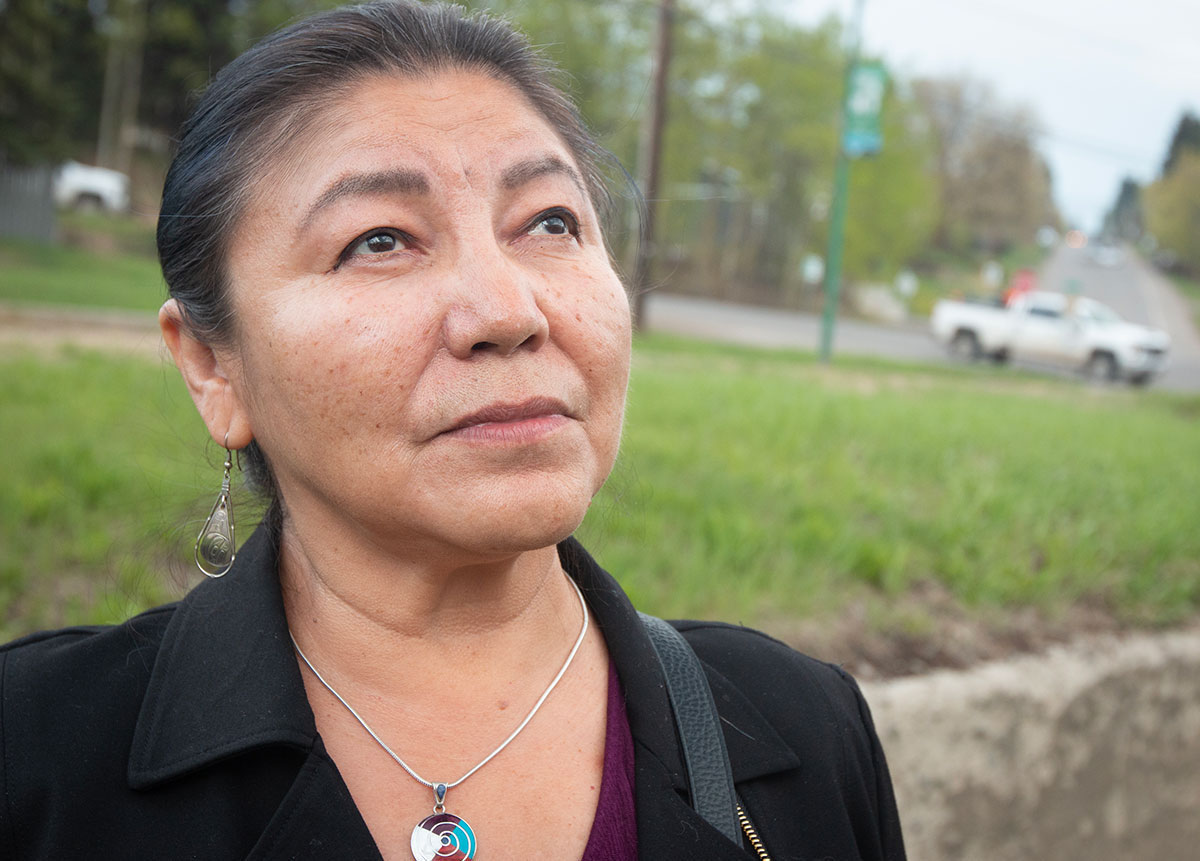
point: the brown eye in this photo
(555, 223)
(379, 242)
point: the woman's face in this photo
(431, 343)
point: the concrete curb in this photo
(1091, 751)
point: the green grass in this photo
(762, 486)
(105, 468)
(100, 261)
(107, 232)
(757, 486)
(1190, 288)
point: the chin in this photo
(538, 512)
(519, 529)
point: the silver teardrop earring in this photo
(215, 548)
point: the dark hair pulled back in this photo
(268, 97)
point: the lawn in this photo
(46, 274)
(759, 485)
(101, 261)
(104, 458)
(752, 485)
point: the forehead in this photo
(455, 123)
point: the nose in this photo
(494, 309)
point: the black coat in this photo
(185, 733)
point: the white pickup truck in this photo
(80, 186)
(1071, 331)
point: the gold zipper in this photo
(751, 834)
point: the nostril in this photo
(482, 346)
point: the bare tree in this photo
(995, 186)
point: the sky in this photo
(1108, 79)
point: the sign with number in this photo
(864, 104)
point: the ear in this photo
(208, 383)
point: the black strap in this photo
(710, 780)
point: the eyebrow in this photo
(407, 182)
(524, 172)
(413, 182)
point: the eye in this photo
(554, 222)
(372, 244)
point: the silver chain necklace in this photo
(444, 835)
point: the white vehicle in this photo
(1068, 331)
(79, 186)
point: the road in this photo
(1134, 289)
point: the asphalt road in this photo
(1134, 289)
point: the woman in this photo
(391, 295)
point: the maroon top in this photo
(614, 830)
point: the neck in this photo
(381, 621)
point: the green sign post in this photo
(866, 84)
(864, 102)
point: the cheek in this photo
(595, 305)
(609, 331)
(601, 337)
(335, 366)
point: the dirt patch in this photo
(47, 330)
(928, 629)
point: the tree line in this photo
(749, 144)
(1164, 215)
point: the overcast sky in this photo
(1108, 78)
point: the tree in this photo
(1004, 184)
(1185, 139)
(952, 107)
(749, 148)
(1173, 210)
(49, 78)
(996, 188)
(894, 203)
(1126, 220)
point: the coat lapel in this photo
(226, 683)
(225, 680)
(317, 819)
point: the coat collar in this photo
(226, 681)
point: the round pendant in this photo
(443, 835)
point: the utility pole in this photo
(841, 181)
(650, 158)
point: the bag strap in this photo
(710, 779)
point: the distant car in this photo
(82, 187)
(1106, 254)
(1052, 328)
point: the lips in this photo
(509, 413)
